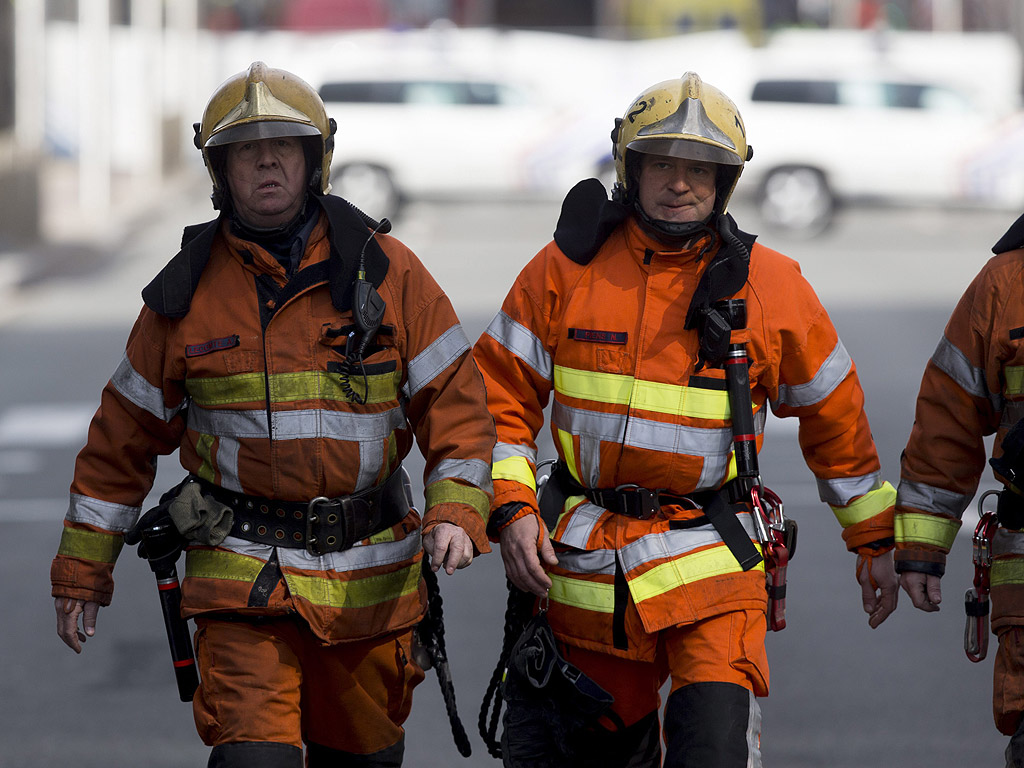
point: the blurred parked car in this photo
(832, 133)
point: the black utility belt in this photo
(320, 526)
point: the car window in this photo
(859, 93)
(433, 92)
(796, 91)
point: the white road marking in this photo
(51, 425)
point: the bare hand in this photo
(68, 611)
(520, 543)
(925, 589)
(448, 545)
(879, 586)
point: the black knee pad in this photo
(634, 746)
(255, 754)
(712, 725)
(325, 757)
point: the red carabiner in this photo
(976, 604)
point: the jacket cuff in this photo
(878, 528)
(513, 492)
(81, 580)
(462, 515)
(920, 561)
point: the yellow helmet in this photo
(263, 103)
(685, 118)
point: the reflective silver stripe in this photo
(840, 491)
(133, 386)
(521, 342)
(672, 544)
(753, 732)
(296, 425)
(711, 444)
(371, 462)
(957, 366)
(474, 471)
(931, 499)
(504, 451)
(227, 463)
(592, 561)
(1003, 543)
(581, 524)
(829, 376)
(359, 557)
(590, 460)
(103, 514)
(441, 353)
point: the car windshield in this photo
(461, 92)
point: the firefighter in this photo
(613, 323)
(291, 351)
(973, 387)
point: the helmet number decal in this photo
(639, 109)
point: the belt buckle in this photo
(317, 544)
(647, 500)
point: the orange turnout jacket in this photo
(606, 339)
(236, 367)
(973, 386)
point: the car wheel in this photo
(796, 200)
(368, 187)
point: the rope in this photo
(517, 612)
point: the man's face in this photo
(674, 189)
(267, 179)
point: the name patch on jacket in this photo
(213, 345)
(600, 337)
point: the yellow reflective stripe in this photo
(571, 502)
(587, 595)
(706, 563)
(290, 387)
(568, 453)
(593, 385)
(918, 528)
(449, 491)
(1014, 375)
(204, 449)
(218, 564)
(90, 545)
(732, 472)
(654, 396)
(1007, 571)
(867, 506)
(355, 593)
(381, 537)
(514, 468)
(681, 401)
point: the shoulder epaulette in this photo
(170, 292)
(1013, 239)
(587, 219)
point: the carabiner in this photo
(976, 631)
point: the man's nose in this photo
(679, 182)
(265, 155)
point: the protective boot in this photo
(320, 756)
(255, 754)
(712, 725)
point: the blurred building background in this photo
(97, 96)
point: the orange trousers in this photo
(728, 648)
(1008, 680)
(276, 681)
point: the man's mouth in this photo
(268, 185)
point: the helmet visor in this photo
(685, 149)
(260, 129)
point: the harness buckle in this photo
(641, 503)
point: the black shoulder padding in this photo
(351, 232)
(1013, 239)
(170, 292)
(588, 217)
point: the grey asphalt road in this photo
(903, 695)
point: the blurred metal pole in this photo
(29, 77)
(94, 157)
(180, 78)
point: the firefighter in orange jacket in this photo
(291, 351)
(973, 386)
(641, 584)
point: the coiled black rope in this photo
(430, 633)
(518, 610)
